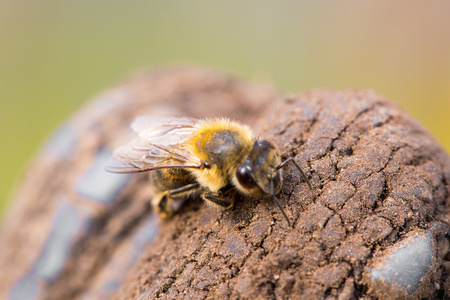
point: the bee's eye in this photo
(245, 178)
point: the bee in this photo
(215, 158)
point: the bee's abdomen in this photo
(173, 178)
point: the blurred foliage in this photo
(55, 55)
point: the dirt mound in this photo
(374, 225)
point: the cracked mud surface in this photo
(377, 177)
(380, 185)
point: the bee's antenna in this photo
(298, 168)
(278, 203)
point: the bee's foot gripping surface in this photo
(218, 201)
(163, 205)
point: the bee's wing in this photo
(143, 123)
(157, 147)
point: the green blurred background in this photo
(55, 55)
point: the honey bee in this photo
(215, 158)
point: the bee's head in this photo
(258, 174)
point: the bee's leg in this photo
(163, 203)
(225, 190)
(184, 189)
(219, 200)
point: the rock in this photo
(375, 224)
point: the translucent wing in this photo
(154, 121)
(157, 147)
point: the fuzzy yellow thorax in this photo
(223, 144)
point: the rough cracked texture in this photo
(380, 190)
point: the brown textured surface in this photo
(378, 177)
